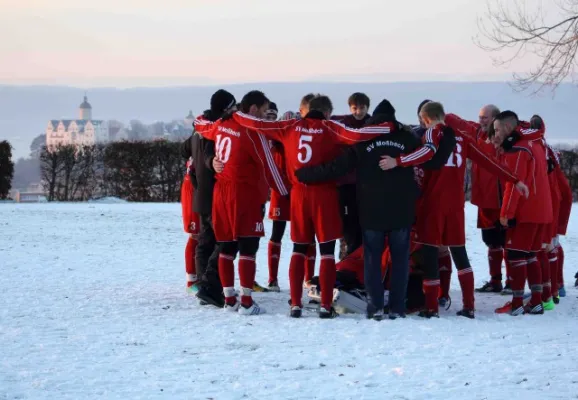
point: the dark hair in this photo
(321, 103)
(306, 99)
(358, 99)
(536, 122)
(421, 105)
(273, 106)
(253, 98)
(507, 115)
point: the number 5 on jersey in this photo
(223, 148)
(305, 157)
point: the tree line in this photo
(147, 171)
(142, 171)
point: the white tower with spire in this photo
(85, 110)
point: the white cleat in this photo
(255, 309)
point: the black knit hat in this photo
(385, 108)
(222, 100)
(423, 103)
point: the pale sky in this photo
(175, 42)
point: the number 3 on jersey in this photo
(455, 159)
(223, 148)
(305, 157)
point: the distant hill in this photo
(25, 110)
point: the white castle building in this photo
(79, 132)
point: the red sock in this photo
(518, 268)
(445, 268)
(560, 266)
(246, 278)
(190, 269)
(495, 257)
(310, 262)
(296, 274)
(545, 269)
(553, 261)
(327, 275)
(466, 277)
(273, 256)
(227, 276)
(431, 289)
(535, 280)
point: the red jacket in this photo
(565, 192)
(486, 187)
(527, 159)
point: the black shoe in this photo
(210, 295)
(490, 287)
(428, 314)
(327, 314)
(466, 313)
(556, 299)
(377, 315)
(394, 315)
(295, 312)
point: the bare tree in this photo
(50, 167)
(511, 30)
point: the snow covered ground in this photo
(92, 305)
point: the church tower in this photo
(85, 110)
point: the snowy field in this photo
(93, 306)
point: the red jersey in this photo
(564, 192)
(246, 156)
(443, 189)
(527, 159)
(310, 141)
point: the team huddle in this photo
(394, 195)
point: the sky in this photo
(128, 43)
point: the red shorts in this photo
(526, 237)
(237, 212)
(487, 218)
(190, 218)
(315, 212)
(279, 207)
(439, 228)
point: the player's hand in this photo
(504, 222)
(387, 163)
(218, 165)
(523, 189)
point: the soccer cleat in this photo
(445, 302)
(507, 291)
(556, 299)
(562, 291)
(325, 313)
(466, 313)
(259, 288)
(490, 287)
(193, 289)
(507, 309)
(549, 305)
(274, 287)
(428, 314)
(534, 310)
(254, 309)
(295, 312)
(232, 307)
(576, 277)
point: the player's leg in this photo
(466, 278)
(274, 253)
(327, 274)
(190, 270)
(373, 245)
(248, 247)
(399, 247)
(491, 238)
(227, 273)
(561, 289)
(431, 281)
(535, 306)
(445, 266)
(310, 265)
